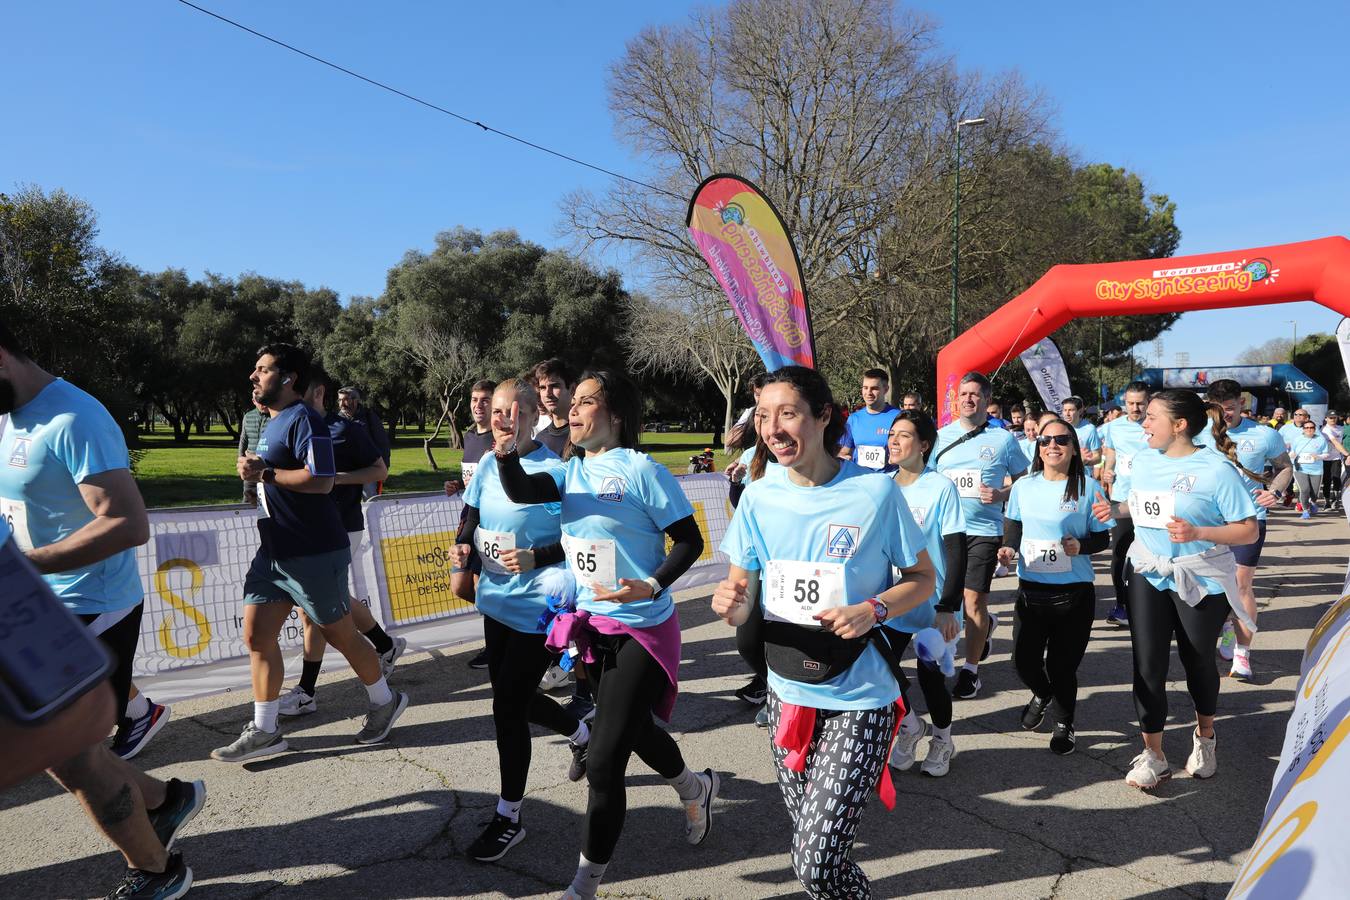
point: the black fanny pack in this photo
(812, 655)
(1049, 598)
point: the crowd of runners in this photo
(855, 538)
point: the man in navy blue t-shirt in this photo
(303, 559)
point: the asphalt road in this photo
(334, 819)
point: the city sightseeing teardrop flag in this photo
(745, 243)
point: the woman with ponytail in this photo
(1188, 504)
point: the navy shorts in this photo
(1250, 554)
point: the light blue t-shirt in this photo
(1206, 491)
(1027, 447)
(995, 455)
(1256, 445)
(1289, 431)
(1308, 452)
(1124, 438)
(1045, 515)
(859, 520)
(935, 507)
(48, 447)
(515, 600)
(867, 429)
(616, 507)
(1088, 438)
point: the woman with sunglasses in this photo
(1049, 525)
(1308, 449)
(936, 507)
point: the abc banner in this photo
(750, 253)
(1301, 849)
(1046, 368)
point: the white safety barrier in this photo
(194, 564)
(1300, 851)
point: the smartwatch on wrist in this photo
(878, 609)
(654, 585)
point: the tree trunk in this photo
(431, 438)
(225, 420)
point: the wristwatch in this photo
(654, 585)
(269, 475)
(879, 609)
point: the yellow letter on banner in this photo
(187, 609)
(1304, 816)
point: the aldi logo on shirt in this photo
(987, 454)
(1184, 483)
(19, 458)
(612, 489)
(1246, 447)
(842, 540)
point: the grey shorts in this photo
(316, 583)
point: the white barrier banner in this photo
(1046, 368)
(194, 564)
(1300, 850)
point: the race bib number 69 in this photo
(1152, 509)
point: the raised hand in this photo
(1101, 507)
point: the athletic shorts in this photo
(119, 632)
(316, 583)
(1250, 554)
(981, 560)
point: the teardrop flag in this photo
(747, 247)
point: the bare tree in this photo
(451, 364)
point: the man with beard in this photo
(349, 407)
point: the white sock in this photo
(265, 714)
(379, 692)
(587, 880)
(973, 668)
(138, 706)
(582, 735)
(911, 723)
(688, 785)
(509, 808)
(943, 734)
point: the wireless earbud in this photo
(285, 381)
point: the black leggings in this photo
(628, 683)
(1122, 536)
(1155, 617)
(932, 683)
(1331, 481)
(516, 662)
(1049, 645)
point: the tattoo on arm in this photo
(117, 810)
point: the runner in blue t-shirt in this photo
(1309, 451)
(936, 509)
(303, 557)
(1122, 438)
(814, 543)
(1257, 447)
(1050, 527)
(865, 431)
(1184, 500)
(982, 463)
(67, 494)
(1088, 439)
(618, 508)
(358, 462)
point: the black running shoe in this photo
(182, 801)
(1033, 714)
(480, 661)
(1063, 739)
(577, 770)
(989, 638)
(967, 685)
(500, 835)
(173, 882)
(755, 692)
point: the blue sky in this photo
(207, 149)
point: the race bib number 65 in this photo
(591, 560)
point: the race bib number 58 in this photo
(797, 591)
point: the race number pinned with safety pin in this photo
(1045, 557)
(872, 457)
(491, 545)
(967, 481)
(797, 592)
(1153, 509)
(591, 560)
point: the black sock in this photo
(309, 676)
(582, 689)
(383, 642)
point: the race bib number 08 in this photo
(798, 591)
(491, 546)
(872, 457)
(1046, 557)
(967, 482)
(15, 514)
(1124, 464)
(591, 560)
(1152, 509)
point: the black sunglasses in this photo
(1046, 440)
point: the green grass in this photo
(201, 472)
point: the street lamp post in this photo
(956, 219)
(1293, 346)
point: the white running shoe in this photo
(297, 702)
(939, 758)
(1202, 762)
(1227, 640)
(1242, 667)
(390, 657)
(554, 678)
(903, 753)
(698, 812)
(1149, 770)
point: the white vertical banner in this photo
(1046, 368)
(1343, 341)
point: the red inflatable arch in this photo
(1310, 270)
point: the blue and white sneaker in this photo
(133, 734)
(173, 882)
(182, 801)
